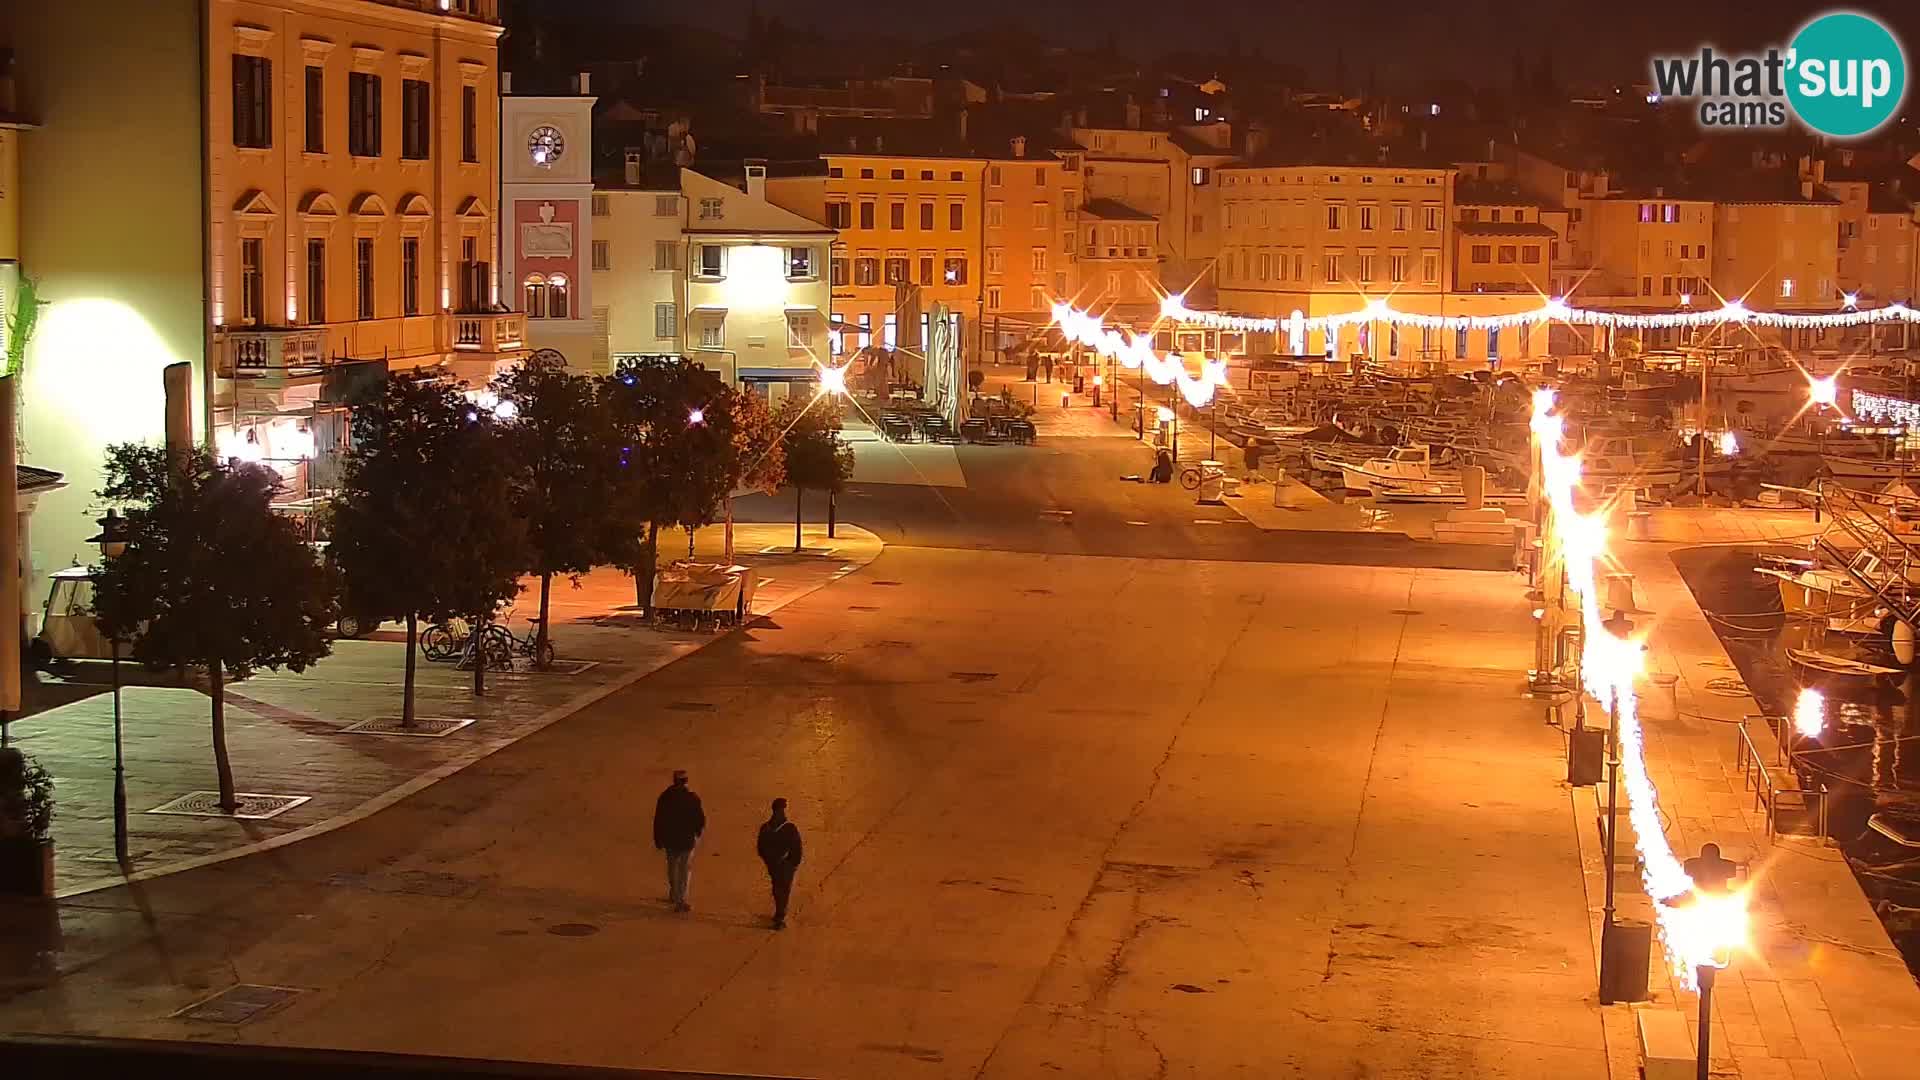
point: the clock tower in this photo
(546, 199)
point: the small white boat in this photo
(1413, 462)
(1615, 461)
(1844, 468)
(1823, 663)
(1443, 492)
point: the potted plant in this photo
(26, 826)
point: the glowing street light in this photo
(833, 380)
(696, 417)
(1824, 392)
(1729, 444)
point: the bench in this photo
(1666, 1045)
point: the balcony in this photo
(277, 354)
(479, 10)
(490, 332)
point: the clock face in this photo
(545, 145)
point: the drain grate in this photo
(253, 807)
(1405, 611)
(690, 706)
(558, 667)
(423, 727)
(973, 676)
(883, 583)
(782, 549)
(891, 643)
(861, 607)
(239, 1004)
(573, 929)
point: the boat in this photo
(1849, 469)
(1811, 590)
(1835, 666)
(1413, 462)
(1442, 492)
(1616, 461)
(1755, 371)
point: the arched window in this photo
(557, 297)
(536, 296)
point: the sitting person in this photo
(1162, 468)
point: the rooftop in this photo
(1504, 228)
(1113, 210)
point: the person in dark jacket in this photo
(779, 848)
(678, 822)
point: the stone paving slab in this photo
(1822, 992)
(286, 732)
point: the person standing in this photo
(779, 848)
(678, 821)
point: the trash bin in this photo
(1639, 525)
(1663, 703)
(1212, 476)
(1625, 949)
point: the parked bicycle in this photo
(456, 640)
(531, 645)
(1193, 476)
(444, 640)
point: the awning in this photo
(777, 374)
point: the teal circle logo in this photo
(1846, 74)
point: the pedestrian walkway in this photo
(1822, 992)
(289, 734)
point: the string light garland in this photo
(1137, 353)
(1174, 308)
(1696, 928)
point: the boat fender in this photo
(1903, 642)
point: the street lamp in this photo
(113, 543)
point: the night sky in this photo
(1471, 39)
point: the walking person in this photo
(678, 822)
(779, 848)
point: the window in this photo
(1401, 215)
(1666, 286)
(1039, 176)
(800, 264)
(994, 264)
(1366, 217)
(993, 297)
(416, 120)
(602, 206)
(839, 215)
(1494, 214)
(1199, 223)
(1493, 345)
(1039, 260)
(712, 261)
(712, 209)
(1670, 213)
(557, 297)
(836, 172)
(994, 218)
(536, 297)
(1366, 267)
(252, 101)
(316, 281)
(897, 215)
(926, 269)
(955, 175)
(956, 216)
(1333, 215)
(316, 110)
(1469, 214)
(470, 124)
(664, 257)
(926, 215)
(1042, 215)
(1430, 267)
(1330, 268)
(666, 321)
(799, 330)
(866, 174)
(666, 205)
(713, 332)
(1396, 268)
(1059, 285)
(1646, 213)
(896, 270)
(1200, 176)
(363, 277)
(1646, 285)
(842, 270)
(1786, 288)
(363, 114)
(473, 274)
(955, 270)
(993, 176)
(926, 174)
(602, 257)
(1509, 253)
(866, 215)
(1530, 254)
(866, 270)
(410, 275)
(1460, 343)
(252, 289)
(1482, 253)
(1431, 213)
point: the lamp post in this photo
(113, 542)
(1703, 975)
(1621, 627)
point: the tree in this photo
(563, 454)
(211, 577)
(816, 458)
(424, 524)
(759, 450)
(674, 420)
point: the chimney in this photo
(1133, 114)
(506, 83)
(961, 121)
(1019, 145)
(757, 178)
(583, 83)
(1806, 187)
(632, 173)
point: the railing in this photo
(498, 331)
(256, 353)
(485, 10)
(1757, 777)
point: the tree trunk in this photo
(546, 591)
(479, 646)
(798, 493)
(831, 510)
(216, 677)
(406, 684)
(643, 576)
(729, 530)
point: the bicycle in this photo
(530, 646)
(444, 640)
(1193, 476)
